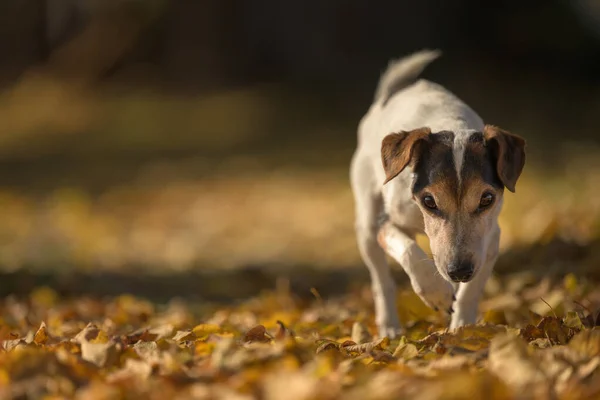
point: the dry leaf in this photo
(283, 332)
(150, 352)
(510, 360)
(100, 354)
(360, 334)
(203, 330)
(181, 336)
(257, 334)
(380, 344)
(41, 336)
(88, 333)
(406, 351)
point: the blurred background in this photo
(201, 148)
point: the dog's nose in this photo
(461, 271)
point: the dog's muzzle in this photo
(461, 271)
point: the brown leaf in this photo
(143, 335)
(257, 334)
(531, 332)
(381, 344)
(555, 330)
(382, 356)
(283, 332)
(327, 345)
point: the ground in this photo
(536, 339)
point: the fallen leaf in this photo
(511, 362)
(381, 344)
(203, 330)
(360, 334)
(283, 332)
(573, 321)
(181, 336)
(406, 351)
(41, 336)
(99, 354)
(88, 333)
(257, 334)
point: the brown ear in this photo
(397, 150)
(509, 152)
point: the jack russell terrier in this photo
(427, 163)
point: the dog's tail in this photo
(402, 72)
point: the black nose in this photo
(461, 271)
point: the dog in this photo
(426, 163)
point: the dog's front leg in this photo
(382, 283)
(426, 281)
(469, 293)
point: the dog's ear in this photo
(398, 149)
(509, 153)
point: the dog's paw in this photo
(435, 292)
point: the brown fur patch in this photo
(398, 150)
(508, 151)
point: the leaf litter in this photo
(276, 346)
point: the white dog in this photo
(427, 163)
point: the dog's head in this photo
(458, 184)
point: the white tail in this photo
(402, 72)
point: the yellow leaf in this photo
(570, 283)
(41, 336)
(203, 348)
(101, 337)
(573, 321)
(406, 351)
(412, 308)
(495, 317)
(203, 330)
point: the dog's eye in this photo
(486, 200)
(429, 202)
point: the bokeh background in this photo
(200, 148)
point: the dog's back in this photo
(403, 101)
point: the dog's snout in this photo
(461, 271)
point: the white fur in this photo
(420, 104)
(458, 152)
